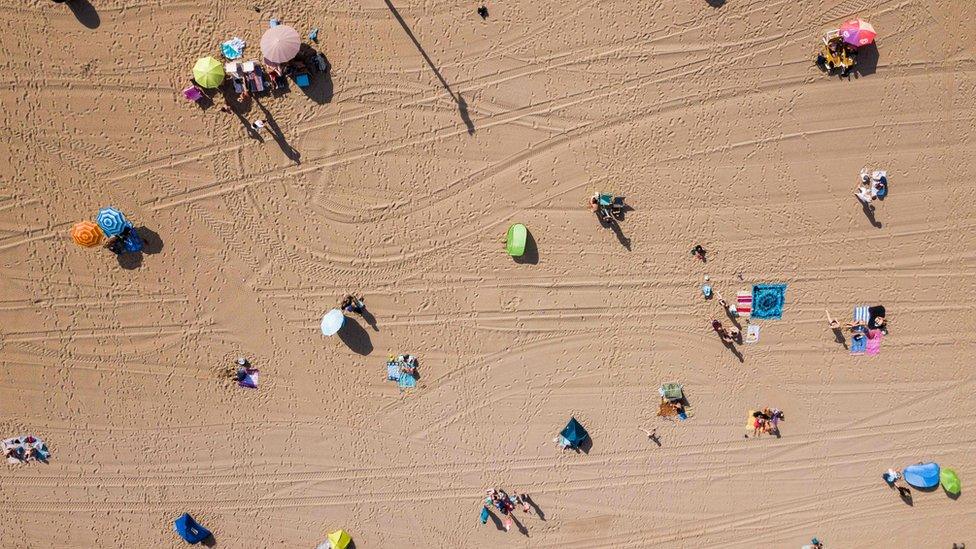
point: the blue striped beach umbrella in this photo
(111, 221)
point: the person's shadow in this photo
(278, 135)
(369, 318)
(839, 336)
(869, 212)
(617, 231)
(715, 3)
(531, 254)
(355, 337)
(85, 13)
(735, 351)
(538, 510)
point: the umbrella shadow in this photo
(85, 13)
(151, 242)
(355, 337)
(715, 3)
(867, 60)
(531, 253)
(320, 88)
(130, 261)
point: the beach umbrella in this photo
(332, 321)
(515, 240)
(950, 481)
(208, 72)
(339, 539)
(87, 234)
(857, 32)
(111, 221)
(922, 475)
(280, 44)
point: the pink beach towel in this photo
(743, 304)
(874, 343)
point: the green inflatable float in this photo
(515, 242)
(950, 481)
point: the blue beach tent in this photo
(190, 530)
(574, 433)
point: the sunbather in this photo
(698, 252)
(758, 425)
(523, 499)
(12, 452)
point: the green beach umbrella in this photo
(208, 72)
(950, 481)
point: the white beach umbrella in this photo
(332, 321)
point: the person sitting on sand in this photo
(758, 425)
(523, 500)
(32, 453)
(352, 303)
(722, 333)
(13, 452)
(698, 252)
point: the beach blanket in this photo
(752, 334)
(407, 381)
(858, 344)
(22, 444)
(248, 377)
(768, 300)
(861, 314)
(743, 304)
(393, 371)
(233, 48)
(873, 343)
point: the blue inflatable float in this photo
(922, 475)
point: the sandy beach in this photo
(397, 175)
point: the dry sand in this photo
(712, 121)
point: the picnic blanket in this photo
(768, 300)
(407, 381)
(859, 344)
(233, 48)
(743, 304)
(22, 444)
(752, 334)
(248, 377)
(873, 344)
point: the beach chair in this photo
(257, 81)
(231, 68)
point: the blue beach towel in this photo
(303, 80)
(233, 48)
(859, 345)
(767, 301)
(407, 381)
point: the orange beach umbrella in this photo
(87, 234)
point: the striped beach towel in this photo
(743, 304)
(861, 314)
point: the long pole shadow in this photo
(462, 105)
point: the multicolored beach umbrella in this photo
(111, 221)
(208, 72)
(87, 234)
(857, 32)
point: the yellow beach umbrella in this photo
(339, 539)
(208, 72)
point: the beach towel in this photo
(861, 314)
(858, 344)
(393, 371)
(248, 377)
(233, 48)
(407, 381)
(752, 334)
(873, 343)
(743, 304)
(22, 444)
(750, 421)
(768, 300)
(484, 515)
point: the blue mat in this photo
(767, 301)
(407, 381)
(859, 345)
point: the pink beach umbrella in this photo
(280, 44)
(857, 32)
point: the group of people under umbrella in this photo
(110, 228)
(839, 48)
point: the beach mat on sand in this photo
(873, 343)
(21, 442)
(393, 371)
(750, 421)
(861, 314)
(859, 345)
(407, 381)
(752, 334)
(743, 304)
